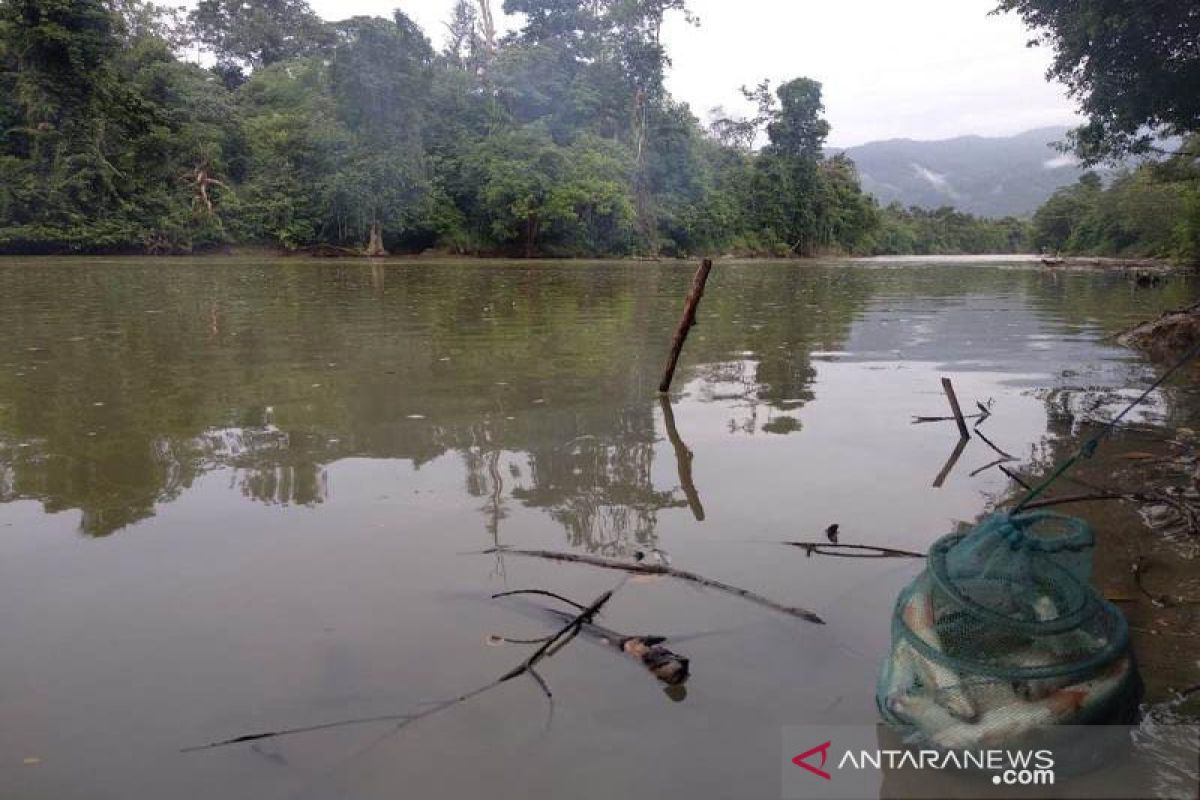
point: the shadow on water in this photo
(536, 376)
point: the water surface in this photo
(239, 495)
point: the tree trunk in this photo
(530, 234)
(375, 246)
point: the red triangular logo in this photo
(823, 749)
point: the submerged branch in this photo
(664, 664)
(541, 592)
(993, 445)
(1015, 477)
(658, 569)
(550, 645)
(859, 550)
(923, 420)
(998, 462)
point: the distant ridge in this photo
(989, 176)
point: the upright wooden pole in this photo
(948, 387)
(685, 324)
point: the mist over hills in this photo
(988, 176)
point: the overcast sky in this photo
(920, 69)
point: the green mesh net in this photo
(1002, 635)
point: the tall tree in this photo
(256, 34)
(786, 179)
(381, 74)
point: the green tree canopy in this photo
(1133, 65)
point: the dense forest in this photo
(557, 139)
(1153, 210)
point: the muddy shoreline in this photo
(1147, 556)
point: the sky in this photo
(917, 69)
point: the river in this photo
(244, 494)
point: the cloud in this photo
(935, 179)
(1060, 161)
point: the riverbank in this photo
(1108, 262)
(1147, 555)
(1136, 268)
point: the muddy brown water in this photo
(238, 495)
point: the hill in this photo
(989, 176)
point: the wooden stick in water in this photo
(993, 445)
(923, 420)
(549, 646)
(1015, 477)
(685, 323)
(948, 388)
(658, 569)
(861, 550)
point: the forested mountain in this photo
(987, 176)
(557, 139)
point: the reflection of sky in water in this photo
(995, 333)
(296, 468)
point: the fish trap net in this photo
(1002, 635)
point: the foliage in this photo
(941, 231)
(258, 34)
(1133, 65)
(559, 139)
(1153, 210)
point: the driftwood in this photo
(685, 323)
(659, 569)
(669, 667)
(664, 664)
(549, 646)
(853, 550)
